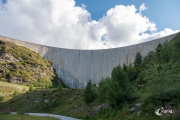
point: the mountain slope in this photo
(22, 66)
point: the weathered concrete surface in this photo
(77, 67)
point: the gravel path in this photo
(50, 115)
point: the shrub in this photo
(120, 89)
(103, 88)
(131, 72)
(89, 93)
(6, 110)
(15, 94)
(1, 98)
(138, 59)
(21, 112)
(59, 87)
(31, 87)
(161, 97)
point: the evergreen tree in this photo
(149, 58)
(103, 88)
(120, 89)
(89, 94)
(158, 51)
(131, 72)
(138, 59)
(124, 67)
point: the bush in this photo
(120, 89)
(20, 112)
(31, 87)
(15, 94)
(161, 97)
(131, 72)
(59, 87)
(1, 98)
(89, 93)
(6, 111)
(138, 59)
(103, 88)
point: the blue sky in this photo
(165, 13)
(67, 23)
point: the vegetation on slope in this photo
(9, 91)
(154, 78)
(22, 66)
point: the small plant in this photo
(59, 87)
(15, 94)
(20, 112)
(31, 87)
(1, 98)
(6, 110)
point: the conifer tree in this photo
(121, 90)
(124, 67)
(138, 59)
(89, 94)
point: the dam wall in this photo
(77, 67)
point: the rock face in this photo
(77, 67)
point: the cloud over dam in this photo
(76, 67)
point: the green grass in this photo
(9, 90)
(24, 117)
(68, 102)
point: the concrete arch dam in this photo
(77, 67)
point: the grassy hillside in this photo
(68, 102)
(22, 66)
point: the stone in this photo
(133, 109)
(138, 113)
(137, 105)
(71, 98)
(46, 101)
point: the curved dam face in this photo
(77, 67)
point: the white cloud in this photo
(62, 24)
(83, 6)
(142, 8)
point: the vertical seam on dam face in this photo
(77, 67)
